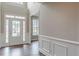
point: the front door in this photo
(15, 31)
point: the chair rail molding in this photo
(58, 39)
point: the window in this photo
(23, 30)
(9, 16)
(19, 2)
(15, 28)
(17, 17)
(35, 25)
(7, 22)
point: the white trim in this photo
(58, 39)
(63, 46)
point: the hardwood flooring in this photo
(21, 50)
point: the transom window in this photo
(17, 17)
(19, 2)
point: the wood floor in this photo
(21, 50)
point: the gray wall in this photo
(60, 20)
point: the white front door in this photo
(15, 31)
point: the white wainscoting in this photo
(58, 47)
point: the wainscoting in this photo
(51, 46)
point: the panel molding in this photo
(45, 45)
(63, 46)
